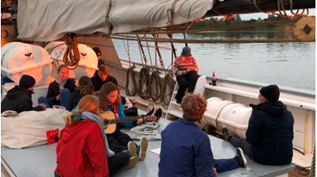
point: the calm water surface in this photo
(285, 64)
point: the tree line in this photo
(214, 22)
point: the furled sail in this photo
(40, 20)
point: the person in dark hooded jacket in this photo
(19, 98)
(270, 132)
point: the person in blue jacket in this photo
(270, 132)
(186, 149)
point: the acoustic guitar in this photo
(110, 122)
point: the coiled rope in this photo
(131, 74)
(71, 56)
(167, 89)
(144, 83)
(155, 87)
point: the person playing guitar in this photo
(110, 100)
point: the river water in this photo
(284, 64)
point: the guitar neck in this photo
(127, 119)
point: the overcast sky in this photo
(262, 15)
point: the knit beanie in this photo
(26, 81)
(271, 92)
(186, 52)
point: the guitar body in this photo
(110, 122)
(109, 128)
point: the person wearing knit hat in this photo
(270, 130)
(183, 140)
(271, 92)
(26, 81)
(186, 71)
(19, 98)
(100, 61)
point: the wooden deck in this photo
(299, 172)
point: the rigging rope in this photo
(280, 3)
(158, 51)
(71, 56)
(148, 49)
(155, 92)
(167, 89)
(127, 50)
(170, 14)
(131, 74)
(141, 50)
(50, 50)
(144, 81)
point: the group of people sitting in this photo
(85, 100)
(186, 151)
(85, 150)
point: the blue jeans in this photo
(65, 99)
(5, 79)
(56, 175)
(223, 165)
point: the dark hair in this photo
(60, 67)
(194, 107)
(105, 90)
(85, 86)
(103, 69)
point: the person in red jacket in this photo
(83, 148)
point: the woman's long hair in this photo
(106, 89)
(88, 103)
(85, 86)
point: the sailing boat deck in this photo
(41, 161)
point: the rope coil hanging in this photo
(131, 74)
(71, 56)
(170, 13)
(144, 82)
(155, 87)
(167, 89)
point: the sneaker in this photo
(151, 112)
(143, 148)
(132, 163)
(240, 158)
(158, 113)
(132, 150)
(225, 134)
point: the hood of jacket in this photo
(275, 108)
(17, 91)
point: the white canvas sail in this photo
(49, 20)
